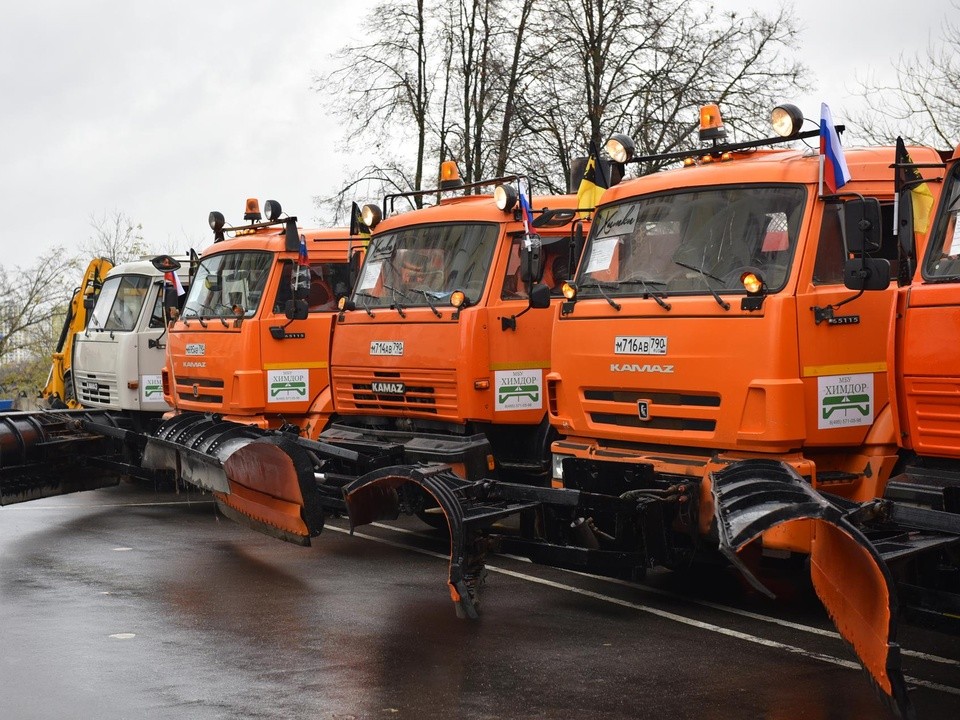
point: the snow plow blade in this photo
(259, 479)
(470, 508)
(849, 576)
(43, 454)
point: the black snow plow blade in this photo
(43, 454)
(848, 573)
(470, 508)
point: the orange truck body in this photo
(925, 389)
(713, 386)
(261, 368)
(472, 378)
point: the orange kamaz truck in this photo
(437, 349)
(724, 379)
(252, 341)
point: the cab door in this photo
(926, 349)
(842, 341)
(296, 353)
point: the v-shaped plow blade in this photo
(850, 577)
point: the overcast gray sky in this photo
(165, 111)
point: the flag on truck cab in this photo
(920, 194)
(833, 164)
(594, 180)
(358, 227)
(302, 258)
(172, 278)
(522, 188)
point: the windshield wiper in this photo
(599, 286)
(716, 296)
(647, 292)
(426, 296)
(366, 306)
(395, 304)
(196, 315)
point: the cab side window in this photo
(556, 268)
(828, 268)
(328, 283)
(831, 248)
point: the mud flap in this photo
(848, 573)
(259, 479)
(375, 496)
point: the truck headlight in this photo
(558, 459)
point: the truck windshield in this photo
(119, 304)
(943, 257)
(424, 264)
(693, 242)
(228, 285)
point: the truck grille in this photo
(424, 392)
(199, 390)
(682, 412)
(96, 388)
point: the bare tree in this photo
(476, 83)
(32, 305)
(115, 237)
(384, 86)
(922, 105)
(643, 67)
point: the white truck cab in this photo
(118, 358)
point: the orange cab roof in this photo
(867, 165)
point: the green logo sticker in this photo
(288, 385)
(519, 389)
(844, 401)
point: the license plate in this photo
(386, 347)
(640, 345)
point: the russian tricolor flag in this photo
(172, 278)
(833, 164)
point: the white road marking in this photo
(704, 603)
(123, 636)
(666, 615)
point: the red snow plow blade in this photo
(849, 575)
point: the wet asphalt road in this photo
(126, 603)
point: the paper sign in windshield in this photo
(601, 254)
(371, 273)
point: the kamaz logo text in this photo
(645, 368)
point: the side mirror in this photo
(540, 296)
(89, 301)
(866, 274)
(291, 238)
(861, 226)
(296, 309)
(531, 259)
